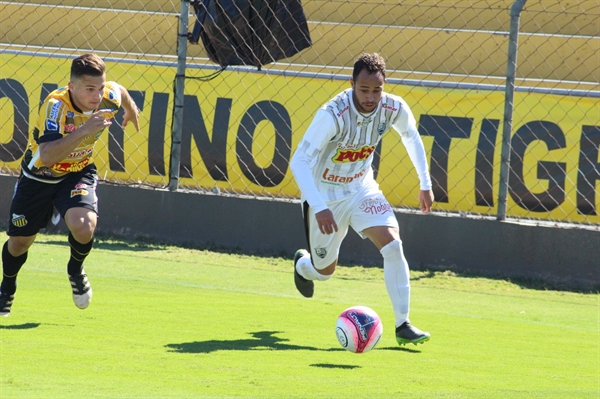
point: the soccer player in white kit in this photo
(332, 167)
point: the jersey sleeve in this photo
(406, 126)
(51, 121)
(113, 93)
(321, 130)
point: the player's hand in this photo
(131, 115)
(425, 200)
(97, 122)
(326, 223)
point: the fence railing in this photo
(448, 59)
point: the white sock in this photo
(306, 269)
(397, 279)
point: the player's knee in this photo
(17, 246)
(393, 250)
(83, 232)
(81, 225)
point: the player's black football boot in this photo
(407, 334)
(304, 286)
(6, 301)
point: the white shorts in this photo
(367, 208)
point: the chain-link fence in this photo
(239, 127)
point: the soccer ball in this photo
(358, 329)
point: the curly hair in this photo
(87, 65)
(373, 63)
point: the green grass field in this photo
(167, 322)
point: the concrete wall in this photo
(564, 258)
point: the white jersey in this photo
(334, 158)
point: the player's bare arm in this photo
(57, 150)
(426, 200)
(326, 222)
(131, 110)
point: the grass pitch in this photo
(168, 322)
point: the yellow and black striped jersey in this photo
(58, 117)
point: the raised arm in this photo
(131, 110)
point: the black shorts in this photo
(33, 201)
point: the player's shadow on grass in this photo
(399, 349)
(111, 246)
(262, 340)
(334, 366)
(25, 326)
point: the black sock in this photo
(10, 268)
(79, 252)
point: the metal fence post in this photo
(511, 70)
(177, 125)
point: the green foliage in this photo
(167, 322)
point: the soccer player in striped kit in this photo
(58, 171)
(333, 169)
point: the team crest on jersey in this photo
(19, 220)
(381, 128)
(321, 252)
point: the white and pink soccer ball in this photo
(358, 329)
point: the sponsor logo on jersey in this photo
(338, 180)
(390, 107)
(342, 111)
(375, 206)
(364, 122)
(80, 154)
(78, 192)
(112, 95)
(51, 125)
(381, 128)
(80, 185)
(346, 155)
(67, 167)
(321, 252)
(70, 128)
(54, 110)
(70, 114)
(18, 220)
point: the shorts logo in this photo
(375, 206)
(19, 220)
(321, 252)
(79, 192)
